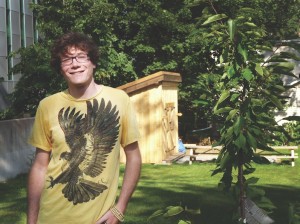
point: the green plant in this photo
(251, 92)
(294, 213)
(293, 128)
(182, 214)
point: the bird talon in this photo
(51, 182)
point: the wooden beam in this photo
(150, 80)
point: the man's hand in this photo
(108, 218)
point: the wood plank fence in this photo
(207, 152)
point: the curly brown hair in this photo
(73, 39)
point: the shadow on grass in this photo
(216, 206)
(13, 200)
(213, 204)
(157, 193)
(282, 196)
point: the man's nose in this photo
(75, 62)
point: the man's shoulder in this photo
(51, 98)
(115, 91)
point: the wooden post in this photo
(293, 157)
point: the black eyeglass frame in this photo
(69, 60)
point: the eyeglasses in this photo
(82, 58)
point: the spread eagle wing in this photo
(73, 125)
(90, 139)
(102, 131)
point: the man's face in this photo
(77, 68)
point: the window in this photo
(8, 37)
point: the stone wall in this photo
(15, 154)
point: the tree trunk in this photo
(242, 188)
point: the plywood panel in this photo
(149, 96)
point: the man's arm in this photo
(131, 175)
(36, 183)
(130, 180)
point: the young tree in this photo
(252, 90)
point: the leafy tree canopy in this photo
(140, 37)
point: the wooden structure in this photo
(155, 100)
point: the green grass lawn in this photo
(191, 185)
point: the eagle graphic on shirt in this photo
(90, 137)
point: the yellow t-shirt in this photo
(84, 137)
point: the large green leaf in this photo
(264, 47)
(273, 99)
(214, 18)
(220, 156)
(251, 140)
(292, 118)
(223, 110)
(232, 29)
(184, 222)
(279, 88)
(290, 55)
(259, 69)
(225, 160)
(252, 180)
(238, 125)
(275, 58)
(173, 210)
(250, 24)
(230, 72)
(156, 214)
(225, 94)
(247, 74)
(243, 51)
(254, 34)
(216, 171)
(249, 171)
(264, 147)
(193, 211)
(201, 101)
(234, 97)
(240, 142)
(232, 114)
(288, 65)
(224, 55)
(260, 159)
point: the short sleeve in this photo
(41, 136)
(130, 132)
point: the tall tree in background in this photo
(137, 38)
(280, 19)
(95, 18)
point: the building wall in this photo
(293, 105)
(16, 30)
(15, 154)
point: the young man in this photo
(77, 134)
